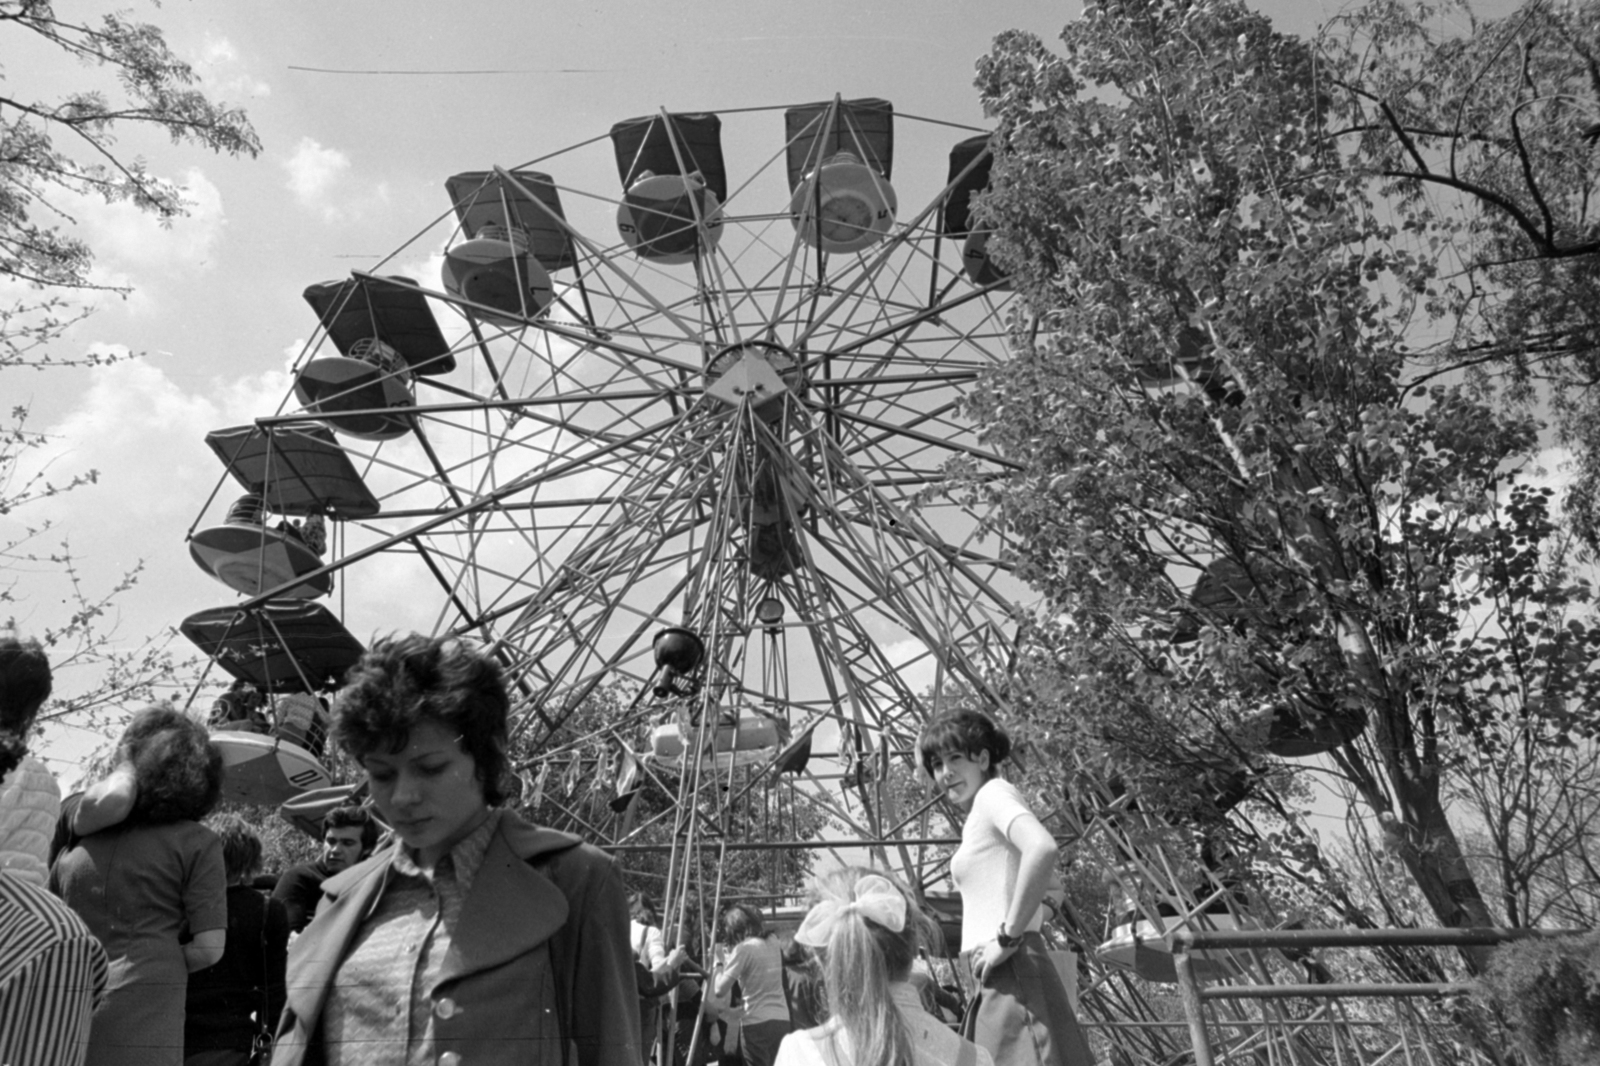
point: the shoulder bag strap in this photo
(266, 1026)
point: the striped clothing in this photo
(52, 978)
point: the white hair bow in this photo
(875, 898)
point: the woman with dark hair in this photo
(755, 963)
(475, 936)
(142, 883)
(1021, 1014)
(866, 930)
(240, 997)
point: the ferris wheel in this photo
(678, 426)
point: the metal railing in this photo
(1187, 942)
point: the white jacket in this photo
(30, 803)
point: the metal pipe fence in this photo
(1187, 943)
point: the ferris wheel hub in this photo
(759, 372)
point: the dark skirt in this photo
(759, 1041)
(1021, 1014)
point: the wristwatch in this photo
(1005, 939)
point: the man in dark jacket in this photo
(348, 836)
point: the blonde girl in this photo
(866, 931)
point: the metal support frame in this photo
(1187, 941)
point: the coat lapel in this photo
(510, 910)
(315, 955)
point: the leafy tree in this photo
(53, 153)
(1484, 132)
(1268, 523)
(56, 149)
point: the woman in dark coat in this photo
(475, 937)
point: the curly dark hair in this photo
(403, 680)
(241, 848)
(24, 686)
(967, 732)
(177, 769)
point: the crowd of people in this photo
(439, 926)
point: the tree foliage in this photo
(1486, 132)
(1277, 498)
(56, 153)
(55, 149)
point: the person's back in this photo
(866, 932)
(53, 972)
(30, 799)
(143, 883)
(52, 978)
(224, 1000)
(933, 1043)
(129, 883)
(757, 965)
(30, 802)
(240, 997)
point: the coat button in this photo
(450, 1058)
(445, 1008)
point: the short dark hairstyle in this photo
(177, 770)
(24, 683)
(641, 910)
(241, 848)
(740, 923)
(967, 732)
(402, 681)
(353, 816)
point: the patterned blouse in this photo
(381, 997)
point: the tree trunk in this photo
(1423, 839)
(1420, 833)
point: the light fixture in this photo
(769, 612)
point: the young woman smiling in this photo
(1021, 1014)
(475, 937)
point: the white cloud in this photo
(132, 249)
(314, 171)
(323, 180)
(143, 433)
(130, 241)
(219, 67)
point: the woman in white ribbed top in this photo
(1021, 1015)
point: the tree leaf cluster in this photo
(1277, 497)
